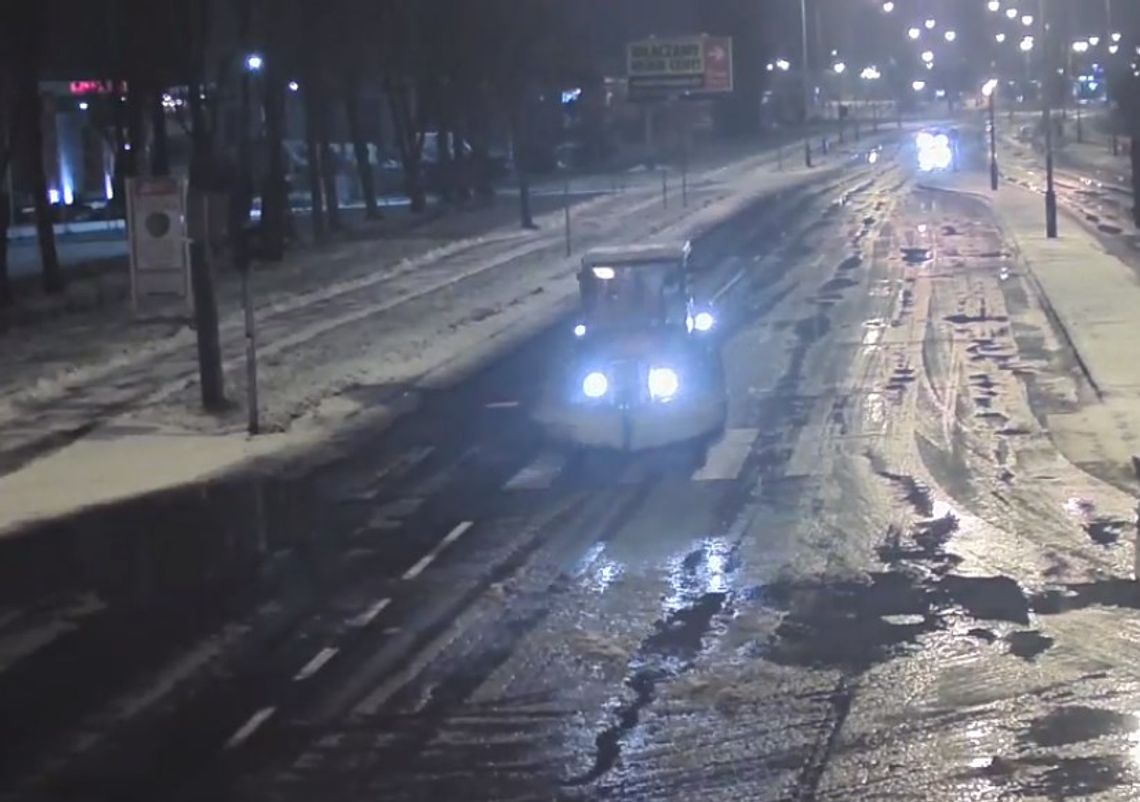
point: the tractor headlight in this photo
(663, 383)
(595, 385)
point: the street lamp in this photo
(1011, 13)
(930, 23)
(994, 5)
(914, 33)
(783, 65)
(950, 36)
(254, 62)
(1027, 20)
(888, 7)
(1047, 115)
(1080, 46)
(806, 83)
(927, 57)
(999, 38)
(989, 89)
(918, 86)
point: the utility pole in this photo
(1046, 113)
(806, 76)
(992, 91)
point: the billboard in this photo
(679, 66)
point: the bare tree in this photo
(29, 32)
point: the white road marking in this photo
(426, 560)
(369, 615)
(539, 474)
(726, 459)
(245, 731)
(316, 664)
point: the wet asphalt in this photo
(884, 582)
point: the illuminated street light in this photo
(927, 56)
(1113, 49)
(839, 67)
(1011, 13)
(950, 36)
(294, 86)
(254, 62)
(1080, 46)
(918, 86)
(914, 33)
(1026, 44)
(783, 65)
(930, 23)
(999, 38)
(989, 86)
(994, 5)
(1027, 20)
(870, 73)
(1117, 36)
(1094, 40)
(888, 7)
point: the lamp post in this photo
(1047, 116)
(989, 89)
(806, 84)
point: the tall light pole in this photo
(989, 89)
(1047, 116)
(806, 85)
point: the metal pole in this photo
(685, 167)
(993, 143)
(566, 210)
(250, 334)
(806, 80)
(1049, 80)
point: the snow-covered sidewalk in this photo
(95, 410)
(1093, 296)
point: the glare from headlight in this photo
(704, 321)
(580, 330)
(604, 273)
(663, 383)
(595, 385)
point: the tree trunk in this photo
(329, 170)
(411, 147)
(52, 276)
(522, 155)
(314, 156)
(275, 192)
(136, 130)
(360, 150)
(5, 218)
(160, 153)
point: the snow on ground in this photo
(1093, 296)
(425, 307)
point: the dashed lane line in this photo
(427, 559)
(246, 731)
(369, 615)
(320, 659)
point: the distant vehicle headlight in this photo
(704, 321)
(595, 385)
(663, 383)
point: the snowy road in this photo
(885, 582)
